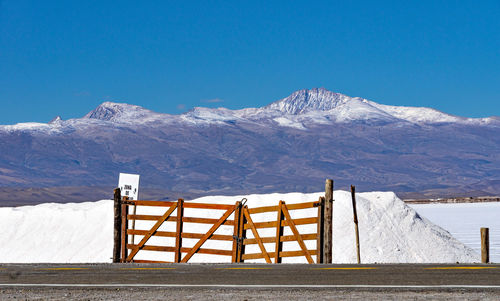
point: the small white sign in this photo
(129, 185)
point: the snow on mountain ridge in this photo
(112, 111)
(316, 99)
(299, 110)
(306, 106)
(418, 114)
(209, 115)
(26, 126)
(343, 108)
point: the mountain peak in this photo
(112, 111)
(316, 99)
(56, 120)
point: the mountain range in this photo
(292, 144)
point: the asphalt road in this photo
(249, 282)
(250, 275)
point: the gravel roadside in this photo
(241, 294)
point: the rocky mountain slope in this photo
(292, 144)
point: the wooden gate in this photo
(174, 213)
(244, 224)
(282, 220)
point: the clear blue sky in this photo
(66, 57)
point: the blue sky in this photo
(66, 57)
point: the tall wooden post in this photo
(355, 215)
(279, 233)
(485, 245)
(328, 243)
(178, 231)
(321, 221)
(117, 225)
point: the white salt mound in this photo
(390, 231)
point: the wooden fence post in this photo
(328, 244)
(241, 235)
(117, 225)
(236, 231)
(321, 221)
(355, 215)
(178, 231)
(124, 228)
(485, 245)
(279, 233)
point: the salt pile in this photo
(390, 231)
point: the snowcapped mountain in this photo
(341, 108)
(303, 101)
(299, 110)
(124, 113)
(289, 145)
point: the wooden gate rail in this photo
(243, 221)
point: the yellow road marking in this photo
(147, 268)
(459, 268)
(343, 268)
(62, 269)
(243, 268)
